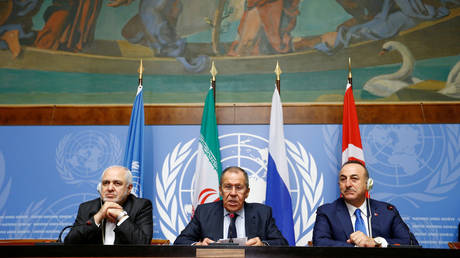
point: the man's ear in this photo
(221, 193)
(130, 187)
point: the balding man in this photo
(117, 217)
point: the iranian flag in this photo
(208, 167)
(351, 138)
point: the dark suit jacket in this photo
(333, 224)
(209, 218)
(137, 229)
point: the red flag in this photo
(351, 138)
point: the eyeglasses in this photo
(227, 188)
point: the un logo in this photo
(81, 157)
(414, 163)
(175, 182)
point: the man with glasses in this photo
(232, 217)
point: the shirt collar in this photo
(240, 212)
(351, 209)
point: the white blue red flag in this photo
(277, 193)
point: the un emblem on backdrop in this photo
(81, 156)
(421, 161)
(174, 183)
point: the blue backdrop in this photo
(47, 171)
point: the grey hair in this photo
(235, 168)
(129, 175)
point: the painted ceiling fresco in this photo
(88, 51)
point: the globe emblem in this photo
(247, 151)
(398, 153)
(85, 154)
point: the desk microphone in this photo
(412, 240)
(59, 240)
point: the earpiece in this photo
(370, 184)
(98, 187)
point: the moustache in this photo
(350, 189)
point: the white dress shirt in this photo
(239, 223)
(363, 208)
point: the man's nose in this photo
(234, 191)
(348, 182)
(111, 187)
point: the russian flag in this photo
(277, 192)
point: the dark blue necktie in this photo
(232, 228)
(359, 223)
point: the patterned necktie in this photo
(359, 222)
(232, 227)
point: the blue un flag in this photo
(134, 150)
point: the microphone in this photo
(412, 240)
(59, 240)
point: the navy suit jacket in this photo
(209, 218)
(333, 224)
(137, 229)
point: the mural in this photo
(87, 51)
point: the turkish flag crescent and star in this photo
(352, 149)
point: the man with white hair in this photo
(117, 217)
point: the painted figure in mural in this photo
(69, 25)
(345, 222)
(265, 27)
(16, 24)
(232, 217)
(374, 20)
(117, 217)
(155, 26)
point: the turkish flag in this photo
(351, 138)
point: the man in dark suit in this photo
(345, 221)
(117, 217)
(213, 221)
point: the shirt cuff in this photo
(122, 220)
(383, 243)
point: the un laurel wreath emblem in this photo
(81, 157)
(174, 183)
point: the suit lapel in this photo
(127, 206)
(219, 215)
(344, 218)
(249, 221)
(375, 219)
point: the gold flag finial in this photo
(278, 71)
(213, 71)
(140, 70)
(349, 67)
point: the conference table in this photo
(59, 250)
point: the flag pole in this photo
(278, 72)
(349, 70)
(213, 72)
(140, 71)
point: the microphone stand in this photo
(59, 240)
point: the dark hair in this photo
(232, 168)
(354, 161)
